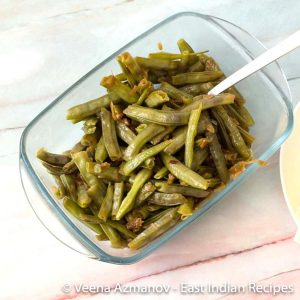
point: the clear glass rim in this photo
(85, 241)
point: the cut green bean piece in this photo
(196, 77)
(60, 190)
(165, 55)
(169, 129)
(166, 118)
(119, 88)
(89, 126)
(77, 148)
(122, 229)
(149, 163)
(157, 76)
(113, 235)
(199, 157)
(175, 93)
(137, 160)
(155, 229)
(109, 173)
(164, 187)
(190, 136)
(75, 210)
(116, 225)
(53, 169)
(70, 186)
(235, 136)
(51, 158)
(182, 172)
(156, 216)
(167, 199)
(147, 190)
(178, 140)
(118, 198)
(116, 111)
(171, 56)
(110, 135)
(242, 110)
(112, 174)
(141, 139)
(185, 61)
(96, 168)
(185, 47)
(132, 65)
(124, 132)
(125, 71)
(218, 156)
(83, 198)
(156, 98)
(161, 173)
(89, 129)
(248, 138)
(106, 205)
(209, 101)
(143, 85)
(157, 64)
(196, 67)
(131, 178)
(143, 96)
(102, 237)
(140, 128)
(213, 182)
(239, 98)
(129, 201)
(89, 140)
(100, 153)
(159, 137)
(90, 108)
(70, 167)
(128, 234)
(186, 209)
(144, 88)
(235, 114)
(223, 131)
(80, 159)
(179, 137)
(93, 193)
(197, 88)
(139, 212)
(121, 77)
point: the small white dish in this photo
(290, 170)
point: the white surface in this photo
(45, 47)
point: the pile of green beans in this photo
(153, 147)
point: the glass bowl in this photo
(268, 99)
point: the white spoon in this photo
(284, 47)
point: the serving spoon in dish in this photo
(284, 47)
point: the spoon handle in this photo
(284, 47)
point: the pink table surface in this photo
(246, 238)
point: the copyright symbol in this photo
(66, 289)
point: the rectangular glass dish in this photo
(268, 100)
